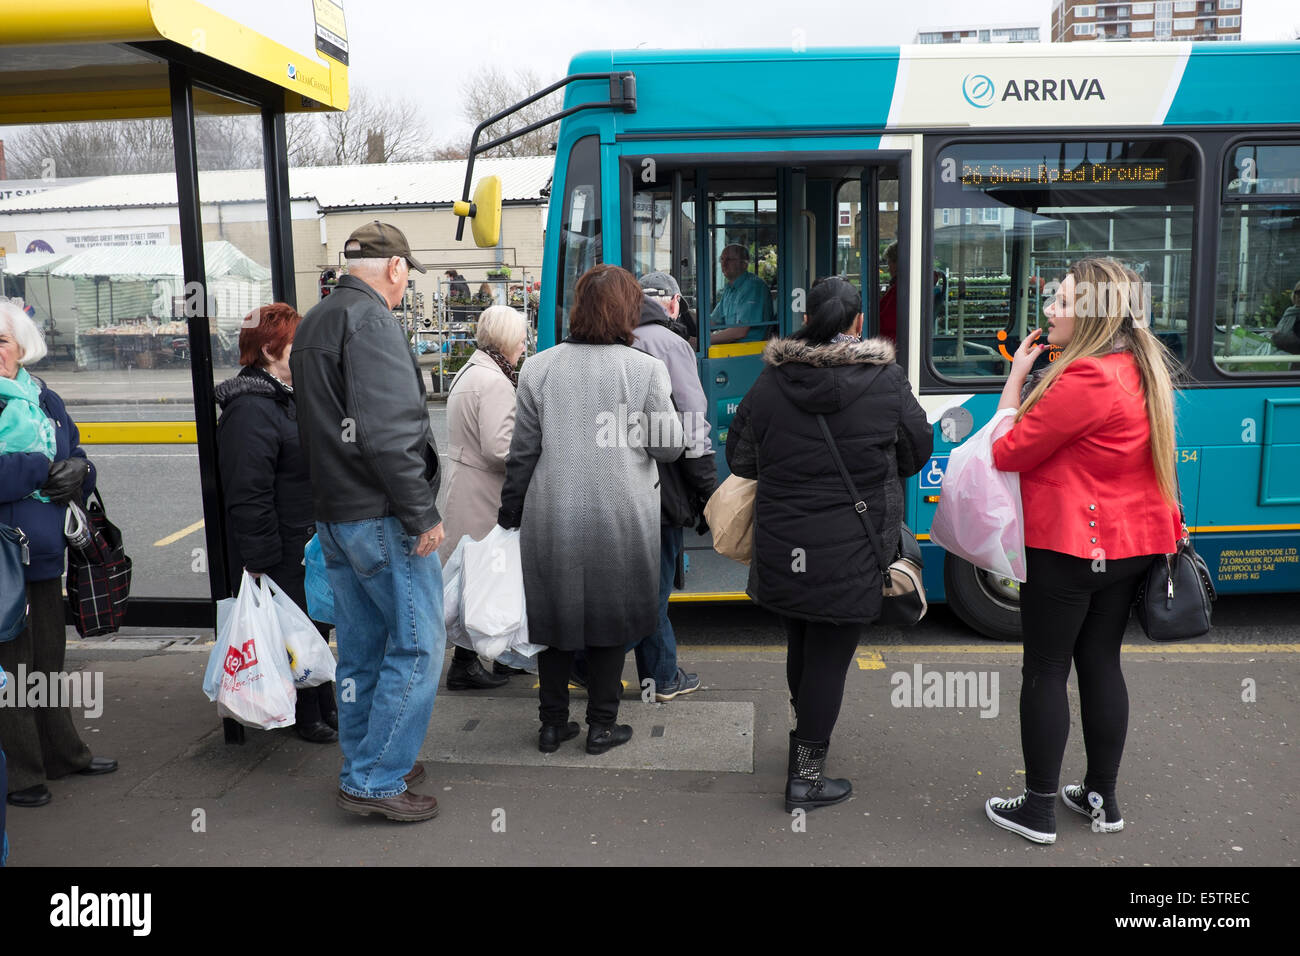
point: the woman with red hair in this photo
(264, 477)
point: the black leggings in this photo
(816, 663)
(1071, 610)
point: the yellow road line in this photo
(870, 661)
(172, 538)
(688, 597)
(576, 687)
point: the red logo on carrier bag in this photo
(239, 659)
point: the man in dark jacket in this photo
(684, 485)
(374, 470)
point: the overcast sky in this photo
(425, 49)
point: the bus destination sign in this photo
(1115, 173)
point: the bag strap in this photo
(859, 505)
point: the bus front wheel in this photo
(987, 602)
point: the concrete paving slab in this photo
(686, 734)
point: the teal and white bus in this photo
(991, 168)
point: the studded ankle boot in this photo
(805, 787)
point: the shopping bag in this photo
(493, 608)
(452, 587)
(980, 517)
(212, 674)
(256, 685)
(99, 571)
(320, 596)
(730, 516)
(310, 659)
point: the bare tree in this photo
(91, 149)
(373, 129)
(490, 90)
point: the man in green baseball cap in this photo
(379, 240)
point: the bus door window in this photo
(1257, 315)
(580, 228)
(654, 234)
(1012, 217)
(743, 240)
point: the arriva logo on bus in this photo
(981, 92)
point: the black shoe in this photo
(1103, 809)
(97, 766)
(330, 719)
(1030, 814)
(805, 787)
(472, 676)
(505, 670)
(601, 737)
(551, 736)
(37, 796)
(317, 733)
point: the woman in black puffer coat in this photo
(813, 564)
(266, 485)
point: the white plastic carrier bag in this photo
(310, 659)
(254, 682)
(980, 517)
(493, 607)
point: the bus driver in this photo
(746, 303)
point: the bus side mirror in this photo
(484, 212)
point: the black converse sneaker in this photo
(1104, 813)
(1029, 814)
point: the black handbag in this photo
(1173, 600)
(903, 593)
(13, 582)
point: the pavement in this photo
(1209, 778)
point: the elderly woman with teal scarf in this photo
(42, 468)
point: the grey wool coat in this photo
(582, 486)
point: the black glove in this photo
(65, 480)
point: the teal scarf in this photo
(24, 426)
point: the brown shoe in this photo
(416, 775)
(407, 807)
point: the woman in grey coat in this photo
(593, 417)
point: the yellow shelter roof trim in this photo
(308, 82)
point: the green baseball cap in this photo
(379, 240)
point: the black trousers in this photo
(1070, 609)
(817, 661)
(40, 742)
(604, 684)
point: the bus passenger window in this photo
(580, 236)
(1256, 327)
(1016, 215)
(743, 237)
(651, 248)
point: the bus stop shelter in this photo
(97, 61)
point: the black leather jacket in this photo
(362, 415)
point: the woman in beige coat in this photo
(480, 423)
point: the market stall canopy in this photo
(108, 59)
(17, 264)
(139, 263)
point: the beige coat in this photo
(480, 422)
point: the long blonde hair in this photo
(1110, 311)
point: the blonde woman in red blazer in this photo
(1094, 444)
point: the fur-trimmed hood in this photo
(821, 379)
(877, 351)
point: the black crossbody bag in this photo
(903, 593)
(1173, 601)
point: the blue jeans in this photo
(391, 640)
(656, 655)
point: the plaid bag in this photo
(99, 573)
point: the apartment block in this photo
(1005, 33)
(1075, 20)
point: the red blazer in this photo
(1084, 456)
